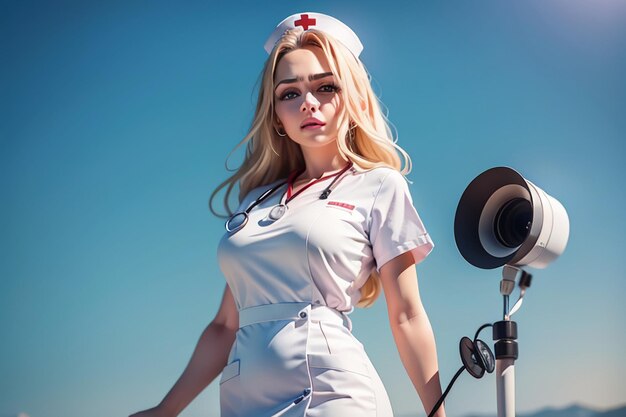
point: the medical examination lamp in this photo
(504, 220)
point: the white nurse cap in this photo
(325, 23)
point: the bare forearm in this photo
(416, 345)
(206, 363)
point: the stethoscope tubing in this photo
(268, 193)
(246, 213)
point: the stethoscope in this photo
(238, 220)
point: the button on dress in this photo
(295, 280)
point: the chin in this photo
(316, 141)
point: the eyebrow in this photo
(311, 78)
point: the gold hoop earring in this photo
(278, 133)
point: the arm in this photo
(206, 363)
(411, 329)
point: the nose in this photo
(310, 103)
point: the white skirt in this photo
(299, 360)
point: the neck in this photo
(319, 162)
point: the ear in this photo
(363, 105)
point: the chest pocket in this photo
(338, 228)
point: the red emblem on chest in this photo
(346, 206)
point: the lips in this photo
(312, 122)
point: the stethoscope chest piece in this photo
(278, 211)
(236, 222)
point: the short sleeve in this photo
(395, 226)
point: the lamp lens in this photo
(513, 221)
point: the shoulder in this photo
(257, 191)
(383, 178)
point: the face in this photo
(306, 90)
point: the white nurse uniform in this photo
(296, 279)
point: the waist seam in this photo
(291, 311)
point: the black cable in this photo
(443, 397)
(458, 373)
(480, 329)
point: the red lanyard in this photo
(294, 174)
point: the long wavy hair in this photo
(364, 135)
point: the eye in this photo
(288, 95)
(330, 88)
(326, 88)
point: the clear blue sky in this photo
(115, 122)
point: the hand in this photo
(153, 412)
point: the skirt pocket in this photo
(230, 371)
(230, 390)
(341, 362)
(341, 385)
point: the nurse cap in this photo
(319, 21)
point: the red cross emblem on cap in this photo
(304, 21)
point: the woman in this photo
(325, 219)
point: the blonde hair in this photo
(364, 135)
